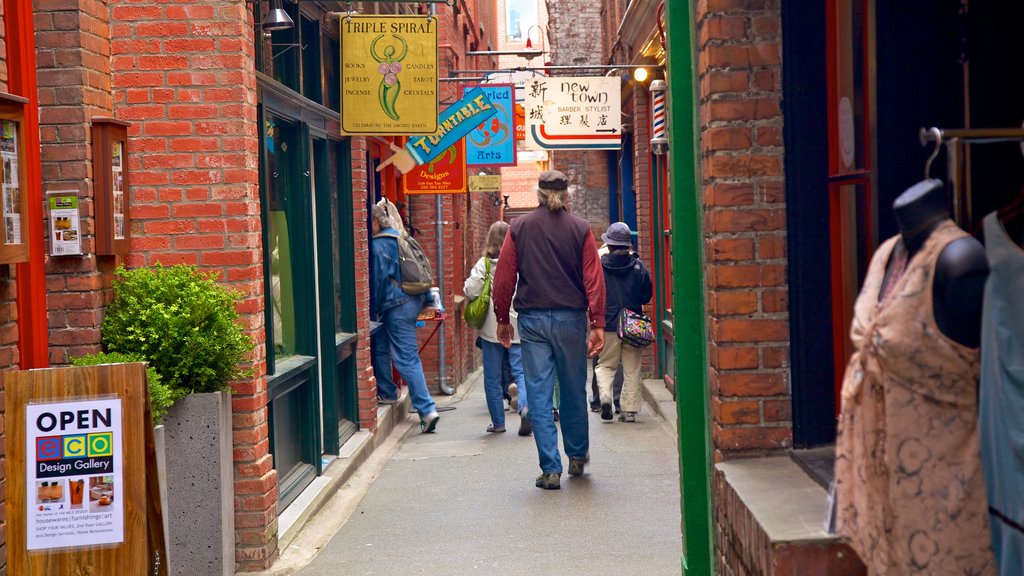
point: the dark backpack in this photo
(417, 274)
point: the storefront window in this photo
(281, 154)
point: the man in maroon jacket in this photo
(550, 262)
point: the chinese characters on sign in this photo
(389, 75)
(74, 474)
(580, 113)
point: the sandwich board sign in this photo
(83, 495)
(574, 113)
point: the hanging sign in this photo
(493, 143)
(444, 174)
(454, 123)
(74, 474)
(520, 122)
(485, 183)
(574, 113)
(388, 75)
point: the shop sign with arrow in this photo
(574, 113)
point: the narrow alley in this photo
(463, 501)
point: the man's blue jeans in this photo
(400, 323)
(386, 387)
(494, 355)
(555, 343)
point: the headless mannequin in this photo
(962, 267)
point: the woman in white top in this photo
(493, 352)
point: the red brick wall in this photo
(183, 74)
(575, 39)
(739, 65)
(367, 384)
(73, 59)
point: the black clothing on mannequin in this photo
(961, 270)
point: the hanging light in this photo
(640, 74)
(277, 18)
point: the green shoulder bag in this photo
(475, 313)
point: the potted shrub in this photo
(161, 396)
(185, 325)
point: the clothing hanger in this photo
(937, 137)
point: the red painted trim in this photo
(21, 61)
(832, 77)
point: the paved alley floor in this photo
(463, 501)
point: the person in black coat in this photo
(627, 285)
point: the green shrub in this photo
(182, 322)
(161, 396)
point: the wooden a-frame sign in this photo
(74, 485)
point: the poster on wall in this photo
(74, 474)
(388, 75)
(65, 226)
(493, 142)
(444, 174)
(117, 178)
(574, 113)
(10, 198)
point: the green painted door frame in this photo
(689, 316)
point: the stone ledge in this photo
(660, 400)
(771, 521)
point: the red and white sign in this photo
(574, 113)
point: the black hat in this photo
(552, 180)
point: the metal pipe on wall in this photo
(442, 369)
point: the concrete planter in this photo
(200, 487)
(160, 447)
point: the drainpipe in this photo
(442, 368)
(688, 308)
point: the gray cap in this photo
(552, 180)
(618, 234)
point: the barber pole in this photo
(659, 143)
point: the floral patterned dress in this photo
(909, 486)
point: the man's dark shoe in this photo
(618, 409)
(525, 428)
(606, 412)
(386, 401)
(595, 406)
(549, 481)
(576, 466)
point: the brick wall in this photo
(739, 66)
(571, 30)
(73, 60)
(366, 383)
(183, 74)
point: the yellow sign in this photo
(485, 183)
(388, 75)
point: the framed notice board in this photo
(110, 192)
(14, 239)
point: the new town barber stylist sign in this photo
(74, 474)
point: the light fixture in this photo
(540, 36)
(640, 74)
(277, 18)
